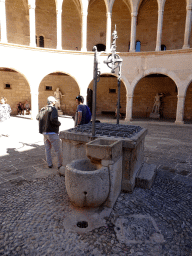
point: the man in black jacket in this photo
(49, 127)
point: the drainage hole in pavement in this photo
(82, 224)
(85, 193)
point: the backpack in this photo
(88, 115)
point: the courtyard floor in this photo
(34, 205)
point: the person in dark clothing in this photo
(49, 127)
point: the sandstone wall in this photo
(19, 90)
(107, 101)
(145, 92)
(188, 104)
(17, 16)
(67, 86)
(46, 22)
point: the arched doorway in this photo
(14, 87)
(107, 94)
(68, 87)
(145, 92)
(188, 104)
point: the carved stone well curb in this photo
(87, 184)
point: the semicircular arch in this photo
(161, 71)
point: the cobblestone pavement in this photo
(34, 203)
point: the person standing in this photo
(83, 113)
(49, 127)
(5, 111)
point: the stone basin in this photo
(104, 149)
(87, 184)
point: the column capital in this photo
(84, 13)
(161, 11)
(189, 7)
(181, 97)
(31, 6)
(109, 14)
(58, 11)
(134, 14)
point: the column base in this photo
(132, 50)
(179, 122)
(84, 49)
(158, 49)
(185, 47)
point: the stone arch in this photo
(174, 24)
(162, 71)
(147, 20)
(121, 12)
(71, 25)
(107, 93)
(96, 23)
(145, 91)
(45, 15)
(19, 89)
(68, 87)
(17, 22)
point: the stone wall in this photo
(147, 25)
(67, 86)
(106, 101)
(17, 16)
(71, 26)
(19, 89)
(144, 95)
(188, 104)
(96, 28)
(121, 17)
(174, 24)
(46, 22)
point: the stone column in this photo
(187, 28)
(129, 108)
(32, 25)
(180, 109)
(59, 29)
(84, 32)
(159, 30)
(3, 21)
(34, 104)
(108, 36)
(133, 31)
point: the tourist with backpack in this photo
(83, 113)
(49, 127)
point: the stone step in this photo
(146, 176)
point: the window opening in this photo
(48, 88)
(7, 86)
(101, 47)
(41, 41)
(163, 47)
(138, 46)
(112, 90)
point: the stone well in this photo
(87, 184)
(75, 141)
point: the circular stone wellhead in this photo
(87, 184)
